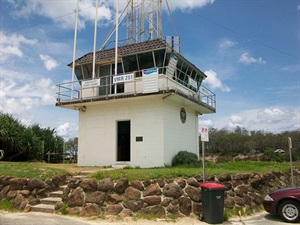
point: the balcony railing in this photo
(130, 85)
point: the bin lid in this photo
(212, 185)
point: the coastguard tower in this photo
(138, 103)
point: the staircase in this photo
(47, 205)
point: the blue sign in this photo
(152, 71)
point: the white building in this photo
(146, 112)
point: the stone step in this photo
(61, 188)
(56, 194)
(79, 176)
(50, 200)
(87, 172)
(42, 208)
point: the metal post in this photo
(95, 40)
(116, 44)
(203, 161)
(291, 159)
(74, 51)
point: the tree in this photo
(225, 142)
(72, 147)
(22, 143)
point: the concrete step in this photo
(50, 200)
(56, 194)
(42, 208)
(119, 165)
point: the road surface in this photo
(34, 218)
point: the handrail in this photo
(80, 93)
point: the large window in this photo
(145, 60)
(186, 71)
(87, 71)
(130, 63)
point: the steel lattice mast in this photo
(144, 20)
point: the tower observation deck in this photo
(138, 103)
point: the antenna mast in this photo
(144, 20)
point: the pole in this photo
(116, 44)
(48, 156)
(74, 51)
(203, 161)
(95, 39)
(291, 160)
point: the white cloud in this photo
(227, 44)
(49, 63)
(273, 115)
(67, 130)
(20, 92)
(290, 69)
(62, 130)
(246, 59)
(214, 82)
(188, 4)
(10, 45)
(205, 122)
(298, 8)
(235, 120)
(62, 12)
(272, 119)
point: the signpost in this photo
(204, 138)
(291, 159)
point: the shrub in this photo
(6, 205)
(184, 157)
(63, 209)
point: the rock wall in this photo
(159, 198)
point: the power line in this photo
(246, 37)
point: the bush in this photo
(184, 157)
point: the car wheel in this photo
(289, 211)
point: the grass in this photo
(6, 205)
(30, 170)
(44, 170)
(193, 170)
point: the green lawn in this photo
(189, 171)
(44, 170)
(30, 170)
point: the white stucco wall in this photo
(179, 136)
(155, 119)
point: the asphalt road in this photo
(33, 218)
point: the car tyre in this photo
(289, 211)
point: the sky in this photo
(249, 50)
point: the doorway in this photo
(123, 142)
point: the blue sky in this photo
(249, 49)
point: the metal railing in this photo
(74, 91)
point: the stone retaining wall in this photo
(160, 197)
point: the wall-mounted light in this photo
(80, 108)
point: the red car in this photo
(284, 202)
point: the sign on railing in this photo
(150, 80)
(91, 83)
(123, 78)
(193, 83)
